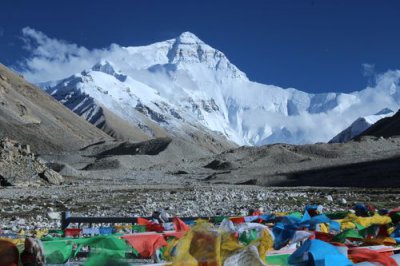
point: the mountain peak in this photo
(188, 49)
(104, 66)
(188, 37)
(385, 111)
(108, 68)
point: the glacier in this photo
(184, 82)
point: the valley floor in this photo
(95, 197)
(134, 179)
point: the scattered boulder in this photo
(20, 167)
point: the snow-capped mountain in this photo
(360, 125)
(386, 127)
(183, 85)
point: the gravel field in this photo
(134, 179)
(35, 207)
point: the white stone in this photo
(54, 215)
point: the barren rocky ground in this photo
(134, 179)
(34, 207)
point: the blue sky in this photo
(315, 46)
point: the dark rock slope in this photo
(386, 127)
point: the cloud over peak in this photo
(54, 59)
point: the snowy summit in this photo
(183, 85)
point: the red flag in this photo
(142, 221)
(180, 225)
(145, 244)
(361, 255)
(237, 220)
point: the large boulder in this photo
(52, 177)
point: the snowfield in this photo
(185, 82)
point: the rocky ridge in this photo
(360, 125)
(386, 127)
(29, 115)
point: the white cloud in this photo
(368, 69)
(53, 59)
(369, 72)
